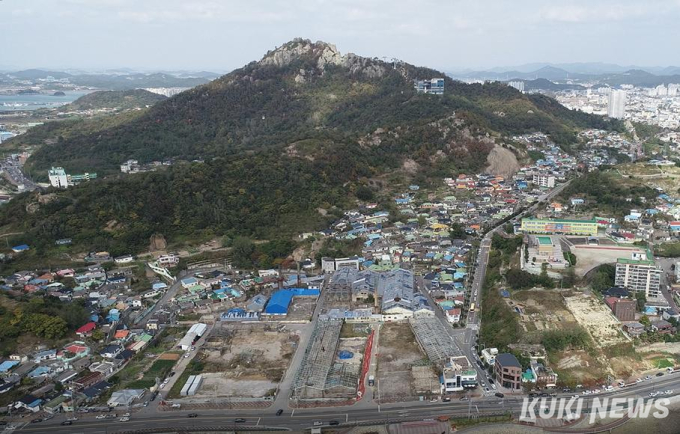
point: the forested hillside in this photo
(284, 144)
(114, 99)
(305, 91)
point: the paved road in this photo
(304, 418)
(15, 175)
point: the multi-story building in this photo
(508, 371)
(543, 374)
(58, 177)
(330, 265)
(458, 374)
(489, 355)
(544, 180)
(559, 226)
(617, 104)
(638, 275)
(622, 308)
(519, 85)
(434, 86)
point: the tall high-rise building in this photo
(519, 85)
(638, 275)
(58, 178)
(434, 86)
(617, 104)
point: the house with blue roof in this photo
(114, 315)
(29, 402)
(158, 286)
(45, 355)
(39, 372)
(281, 299)
(7, 365)
(20, 248)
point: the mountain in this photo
(638, 77)
(114, 99)
(544, 84)
(114, 80)
(592, 73)
(35, 74)
(285, 143)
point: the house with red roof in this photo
(87, 329)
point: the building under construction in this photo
(320, 376)
(433, 339)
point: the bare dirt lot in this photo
(589, 256)
(541, 309)
(597, 319)
(301, 309)
(397, 352)
(246, 360)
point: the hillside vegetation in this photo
(114, 99)
(299, 131)
(306, 91)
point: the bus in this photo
(472, 307)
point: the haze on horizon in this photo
(223, 35)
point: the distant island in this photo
(58, 93)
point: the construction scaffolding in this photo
(320, 376)
(433, 339)
(339, 287)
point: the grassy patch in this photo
(663, 362)
(354, 330)
(194, 367)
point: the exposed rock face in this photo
(325, 54)
(502, 162)
(157, 242)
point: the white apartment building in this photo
(58, 177)
(617, 104)
(544, 180)
(519, 85)
(638, 275)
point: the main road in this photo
(301, 419)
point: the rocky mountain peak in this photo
(323, 54)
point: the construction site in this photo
(246, 360)
(433, 339)
(331, 366)
(403, 371)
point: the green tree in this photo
(97, 335)
(641, 300)
(364, 193)
(242, 252)
(644, 320)
(457, 231)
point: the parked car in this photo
(36, 420)
(659, 374)
(334, 422)
(318, 423)
(500, 395)
(67, 422)
(446, 399)
(124, 419)
(192, 415)
(239, 420)
(101, 416)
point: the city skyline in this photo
(222, 36)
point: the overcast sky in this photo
(220, 35)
